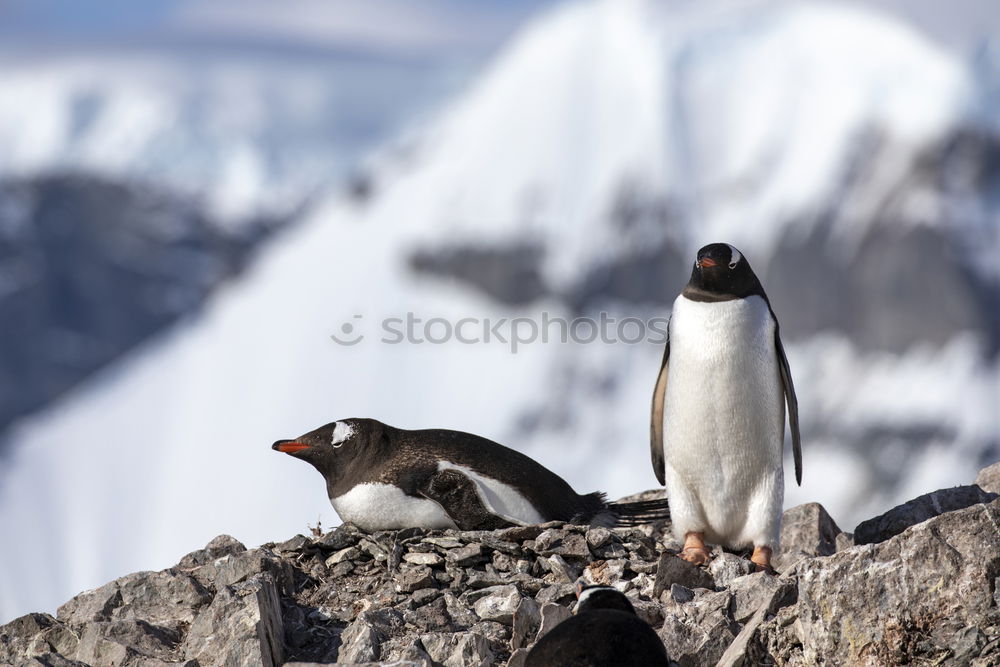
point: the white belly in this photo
(385, 507)
(724, 412)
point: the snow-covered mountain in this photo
(578, 176)
(244, 135)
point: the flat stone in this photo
(561, 543)
(443, 542)
(675, 570)
(467, 555)
(345, 554)
(752, 590)
(499, 605)
(430, 559)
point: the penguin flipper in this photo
(459, 497)
(656, 421)
(793, 406)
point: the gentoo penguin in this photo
(604, 632)
(384, 478)
(718, 418)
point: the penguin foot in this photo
(694, 550)
(761, 559)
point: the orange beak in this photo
(707, 262)
(289, 446)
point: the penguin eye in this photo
(342, 432)
(734, 257)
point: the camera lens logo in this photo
(348, 334)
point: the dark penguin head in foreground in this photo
(385, 478)
(721, 273)
(605, 632)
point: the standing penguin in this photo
(718, 418)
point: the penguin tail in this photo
(638, 513)
(612, 515)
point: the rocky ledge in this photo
(923, 589)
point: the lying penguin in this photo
(384, 478)
(605, 632)
(718, 421)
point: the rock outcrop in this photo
(927, 594)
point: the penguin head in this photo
(721, 272)
(335, 447)
(590, 598)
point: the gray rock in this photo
(239, 567)
(725, 567)
(675, 570)
(410, 579)
(431, 617)
(901, 517)
(92, 605)
(518, 657)
(223, 545)
(552, 615)
(698, 632)
(125, 642)
(33, 635)
(342, 555)
(341, 537)
(430, 559)
(467, 555)
(458, 650)
(564, 572)
(443, 542)
(564, 594)
(241, 626)
(903, 601)
(52, 660)
(499, 605)
(809, 529)
(562, 543)
(681, 594)
(598, 536)
(752, 590)
(527, 620)
(362, 642)
(988, 478)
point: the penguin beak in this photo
(707, 262)
(288, 446)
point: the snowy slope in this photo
(741, 119)
(248, 135)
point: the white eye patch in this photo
(342, 432)
(734, 257)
